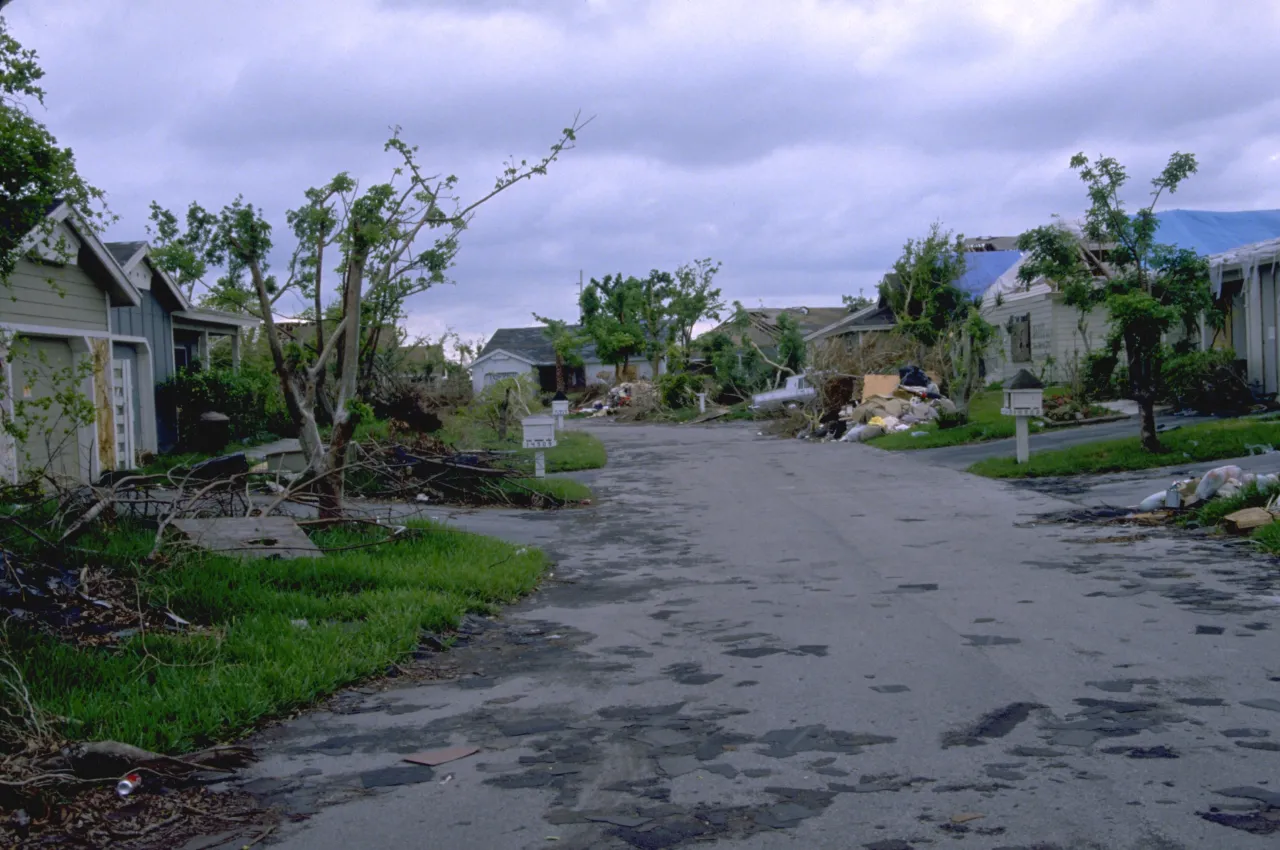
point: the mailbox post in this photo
(702, 402)
(539, 433)
(560, 409)
(1023, 398)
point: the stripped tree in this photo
(376, 233)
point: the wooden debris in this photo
(250, 537)
(1248, 519)
(966, 817)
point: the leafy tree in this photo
(376, 232)
(931, 309)
(857, 302)
(566, 342)
(611, 315)
(35, 171)
(1147, 288)
(693, 298)
(791, 348)
(923, 293)
(655, 294)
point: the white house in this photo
(1246, 281)
(517, 351)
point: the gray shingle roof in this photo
(531, 344)
(123, 251)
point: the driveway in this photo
(762, 644)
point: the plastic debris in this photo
(128, 784)
(1215, 479)
(1155, 500)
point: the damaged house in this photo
(516, 351)
(1046, 336)
(1245, 282)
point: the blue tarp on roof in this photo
(1213, 232)
(983, 267)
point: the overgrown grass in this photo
(574, 451)
(1188, 444)
(564, 489)
(362, 608)
(986, 422)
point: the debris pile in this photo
(1222, 482)
(892, 404)
(635, 399)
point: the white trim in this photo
(482, 358)
(136, 258)
(50, 330)
(147, 388)
(217, 318)
(64, 213)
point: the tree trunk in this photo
(1143, 385)
(559, 372)
(504, 412)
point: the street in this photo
(761, 643)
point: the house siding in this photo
(1054, 334)
(152, 322)
(77, 302)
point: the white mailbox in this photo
(1023, 398)
(539, 432)
(560, 408)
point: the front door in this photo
(122, 407)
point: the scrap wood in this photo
(431, 758)
(250, 537)
(1248, 518)
(883, 385)
(966, 817)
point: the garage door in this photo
(41, 368)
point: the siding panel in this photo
(29, 299)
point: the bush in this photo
(1205, 381)
(678, 390)
(952, 420)
(250, 396)
(1099, 378)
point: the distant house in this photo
(55, 314)
(762, 324)
(985, 262)
(155, 338)
(516, 351)
(1045, 335)
(1245, 281)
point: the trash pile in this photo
(892, 404)
(1224, 482)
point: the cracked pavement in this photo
(763, 643)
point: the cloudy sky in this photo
(799, 142)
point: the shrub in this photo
(1099, 375)
(1205, 381)
(250, 396)
(952, 420)
(678, 390)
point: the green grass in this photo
(1267, 538)
(986, 422)
(364, 608)
(1188, 444)
(564, 489)
(574, 451)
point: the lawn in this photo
(574, 451)
(279, 634)
(1188, 444)
(986, 422)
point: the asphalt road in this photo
(762, 644)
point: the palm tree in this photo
(566, 342)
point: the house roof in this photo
(991, 243)
(763, 322)
(530, 344)
(1211, 232)
(983, 268)
(876, 317)
(120, 290)
(125, 253)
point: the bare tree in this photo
(377, 232)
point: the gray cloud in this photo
(801, 143)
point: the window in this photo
(491, 378)
(179, 357)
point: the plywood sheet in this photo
(879, 385)
(250, 537)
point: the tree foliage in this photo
(35, 171)
(566, 341)
(694, 298)
(922, 292)
(1148, 288)
(611, 316)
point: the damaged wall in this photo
(1054, 334)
